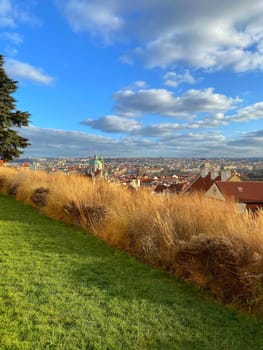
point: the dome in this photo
(95, 162)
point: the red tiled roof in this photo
(202, 183)
(145, 180)
(245, 191)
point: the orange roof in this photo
(146, 180)
(245, 191)
(202, 183)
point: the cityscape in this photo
(150, 171)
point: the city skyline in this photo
(149, 79)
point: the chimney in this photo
(204, 170)
(214, 174)
(225, 174)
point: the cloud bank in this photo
(207, 34)
(163, 102)
(59, 143)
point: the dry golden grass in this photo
(149, 226)
(138, 214)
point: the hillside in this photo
(64, 289)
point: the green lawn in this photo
(63, 289)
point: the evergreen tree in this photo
(10, 141)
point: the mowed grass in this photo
(61, 288)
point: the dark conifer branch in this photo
(10, 142)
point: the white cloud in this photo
(174, 79)
(21, 70)
(6, 16)
(136, 85)
(245, 114)
(164, 103)
(116, 124)
(13, 12)
(242, 115)
(113, 123)
(206, 34)
(139, 84)
(159, 130)
(13, 37)
(93, 17)
(127, 59)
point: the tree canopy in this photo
(10, 118)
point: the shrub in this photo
(40, 196)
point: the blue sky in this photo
(170, 78)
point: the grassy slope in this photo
(63, 289)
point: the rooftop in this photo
(245, 191)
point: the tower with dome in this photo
(96, 166)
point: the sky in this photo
(141, 78)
